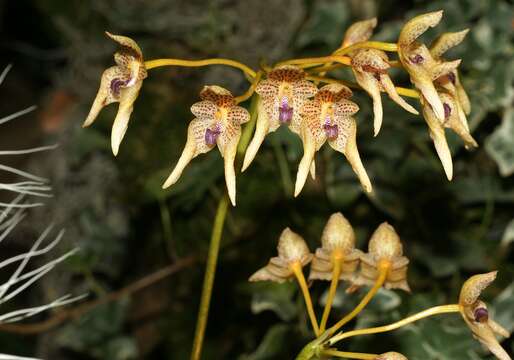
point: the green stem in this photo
(208, 281)
(214, 247)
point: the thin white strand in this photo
(29, 151)
(22, 173)
(15, 220)
(17, 114)
(25, 259)
(26, 313)
(4, 73)
(35, 278)
(6, 212)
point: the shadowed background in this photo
(127, 227)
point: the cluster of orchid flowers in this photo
(288, 95)
(383, 266)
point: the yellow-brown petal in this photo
(359, 31)
(417, 26)
(473, 287)
(338, 234)
(446, 41)
(385, 243)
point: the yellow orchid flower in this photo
(328, 117)
(292, 249)
(359, 31)
(120, 83)
(337, 244)
(451, 81)
(419, 62)
(455, 119)
(217, 122)
(476, 315)
(385, 252)
(282, 95)
(370, 69)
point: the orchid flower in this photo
(385, 247)
(451, 81)
(370, 69)
(282, 95)
(419, 62)
(217, 122)
(292, 249)
(455, 119)
(328, 117)
(120, 83)
(337, 244)
(475, 314)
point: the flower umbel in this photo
(328, 117)
(475, 314)
(282, 96)
(120, 83)
(218, 122)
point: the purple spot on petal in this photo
(331, 131)
(417, 59)
(116, 85)
(447, 110)
(211, 136)
(481, 315)
(285, 112)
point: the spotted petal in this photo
(359, 31)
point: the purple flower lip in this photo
(211, 136)
(481, 315)
(447, 110)
(116, 85)
(331, 131)
(285, 112)
(417, 59)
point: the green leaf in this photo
(271, 345)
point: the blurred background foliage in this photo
(127, 227)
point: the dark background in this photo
(127, 227)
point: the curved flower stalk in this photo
(218, 122)
(475, 314)
(293, 255)
(328, 117)
(417, 59)
(370, 68)
(282, 94)
(120, 83)
(385, 252)
(455, 119)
